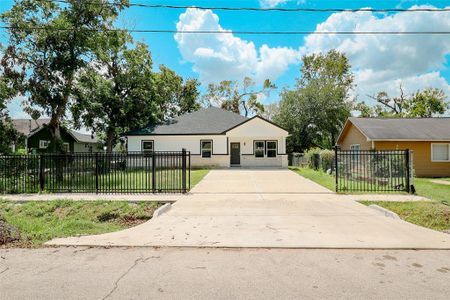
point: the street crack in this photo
(116, 283)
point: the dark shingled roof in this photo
(404, 128)
(26, 126)
(211, 120)
(29, 126)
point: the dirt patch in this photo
(8, 233)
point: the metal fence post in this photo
(183, 168)
(408, 186)
(153, 172)
(336, 173)
(96, 172)
(41, 172)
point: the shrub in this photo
(326, 159)
(313, 157)
(320, 158)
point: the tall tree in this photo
(238, 98)
(8, 89)
(114, 93)
(175, 95)
(316, 110)
(51, 42)
(424, 104)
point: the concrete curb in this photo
(161, 210)
(385, 212)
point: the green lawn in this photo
(38, 222)
(438, 192)
(428, 214)
(197, 175)
(131, 180)
(424, 186)
(319, 177)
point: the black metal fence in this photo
(138, 172)
(373, 171)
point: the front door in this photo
(235, 157)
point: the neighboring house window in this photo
(440, 152)
(43, 144)
(206, 148)
(66, 147)
(147, 146)
(271, 148)
(259, 148)
(355, 147)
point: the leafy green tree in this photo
(119, 91)
(175, 95)
(114, 93)
(423, 104)
(315, 111)
(238, 98)
(8, 89)
(50, 42)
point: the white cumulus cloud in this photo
(217, 57)
(382, 62)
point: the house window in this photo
(440, 152)
(206, 148)
(271, 148)
(355, 147)
(259, 148)
(66, 147)
(147, 146)
(43, 144)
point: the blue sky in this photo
(379, 62)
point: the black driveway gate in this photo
(373, 171)
(132, 172)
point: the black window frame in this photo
(147, 141)
(275, 150)
(206, 150)
(263, 149)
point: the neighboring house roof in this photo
(211, 120)
(29, 127)
(410, 129)
(83, 138)
(26, 126)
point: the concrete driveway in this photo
(268, 208)
(256, 181)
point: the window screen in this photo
(440, 152)
(206, 148)
(259, 148)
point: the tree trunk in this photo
(110, 139)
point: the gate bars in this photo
(373, 170)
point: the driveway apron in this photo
(271, 208)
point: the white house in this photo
(216, 138)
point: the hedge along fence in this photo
(322, 159)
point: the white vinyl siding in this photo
(440, 152)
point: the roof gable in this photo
(426, 129)
(211, 120)
(256, 125)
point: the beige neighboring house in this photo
(428, 138)
(216, 138)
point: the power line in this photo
(296, 9)
(245, 32)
